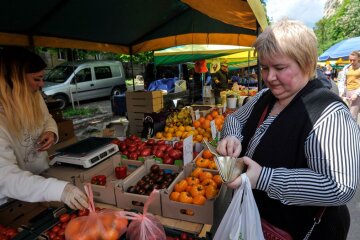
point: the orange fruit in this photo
(214, 114)
(206, 124)
(196, 124)
(209, 117)
(201, 119)
(159, 135)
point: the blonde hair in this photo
(20, 106)
(292, 39)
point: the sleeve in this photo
(234, 122)
(49, 122)
(23, 185)
(333, 158)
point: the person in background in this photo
(328, 71)
(27, 130)
(220, 81)
(291, 137)
(349, 84)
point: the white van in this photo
(83, 80)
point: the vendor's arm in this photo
(332, 151)
(23, 185)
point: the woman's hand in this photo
(229, 146)
(46, 140)
(253, 172)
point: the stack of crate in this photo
(140, 102)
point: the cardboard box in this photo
(199, 213)
(66, 130)
(127, 200)
(106, 194)
(78, 176)
(141, 101)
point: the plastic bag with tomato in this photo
(144, 226)
(102, 225)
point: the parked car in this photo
(84, 80)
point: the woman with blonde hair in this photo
(27, 130)
(291, 137)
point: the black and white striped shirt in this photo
(332, 150)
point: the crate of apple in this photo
(136, 149)
(156, 179)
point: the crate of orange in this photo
(193, 195)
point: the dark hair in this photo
(21, 57)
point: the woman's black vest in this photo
(283, 146)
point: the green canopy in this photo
(129, 26)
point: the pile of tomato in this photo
(7, 233)
(57, 232)
(197, 188)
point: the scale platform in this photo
(86, 153)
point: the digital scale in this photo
(86, 153)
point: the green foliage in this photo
(345, 23)
(141, 58)
(70, 112)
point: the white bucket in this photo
(231, 102)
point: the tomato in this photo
(56, 229)
(217, 178)
(205, 175)
(199, 200)
(208, 181)
(181, 186)
(197, 190)
(11, 232)
(212, 165)
(202, 162)
(51, 235)
(83, 212)
(211, 192)
(175, 196)
(192, 181)
(64, 218)
(185, 197)
(196, 172)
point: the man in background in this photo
(220, 81)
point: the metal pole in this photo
(132, 68)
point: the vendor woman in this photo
(27, 130)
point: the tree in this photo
(345, 23)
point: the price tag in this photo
(213, 129)
(197, 114)
(188, 149)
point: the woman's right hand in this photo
(229, 146)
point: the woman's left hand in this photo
(253, 172)
(46, 140)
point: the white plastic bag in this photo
(241, 220)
